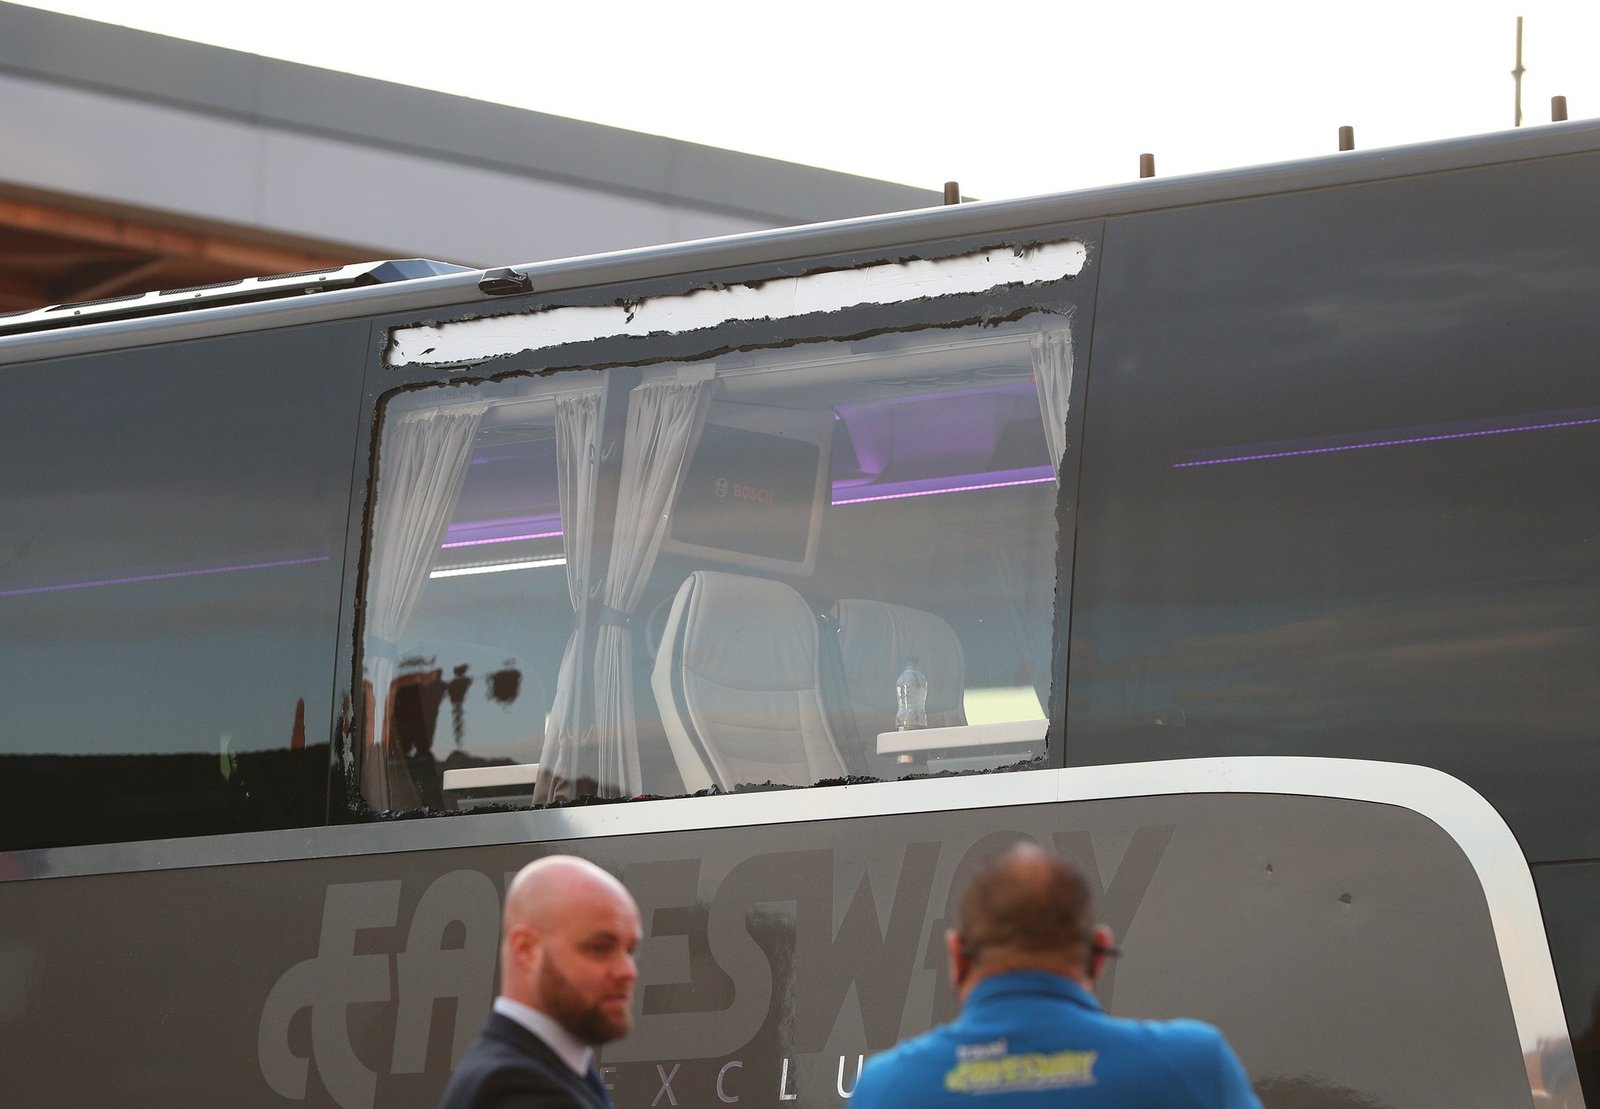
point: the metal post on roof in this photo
(1516, 74)
(952, 192)
(1347, 138)
(1558, 109)
(1147, 165)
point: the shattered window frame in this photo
(914, 319)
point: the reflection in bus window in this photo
(731, 599)
(169, 586)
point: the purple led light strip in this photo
(969, 488)
(970, 485)
(500, 539)
(945, 489)
(161, 577)
(1385, 443)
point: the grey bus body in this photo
(1242, 528)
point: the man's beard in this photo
(585, 1021)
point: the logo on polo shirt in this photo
(1014, 1073)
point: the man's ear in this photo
(524, 944)
(959, 967)
(1101, 942)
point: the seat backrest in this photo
(737, 684)
(875, 640)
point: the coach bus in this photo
(1237, 535)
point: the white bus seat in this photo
(875, 640)
(737, 684)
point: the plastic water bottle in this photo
(911, 697)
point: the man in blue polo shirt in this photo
(1030, 1033)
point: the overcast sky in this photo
(1009, 98)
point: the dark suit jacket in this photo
(508, 1067)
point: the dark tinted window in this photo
(1569, 896)
(1339, 488)
(172, 531)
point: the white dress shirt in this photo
(573, 1051)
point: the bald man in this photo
(567, 940)
(1030, 1033)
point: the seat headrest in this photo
(749, 633)
(875, 640)
(738, 685)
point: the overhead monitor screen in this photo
(749, 493)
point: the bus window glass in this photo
(1349, 509)
(799, 565)
(169, 586)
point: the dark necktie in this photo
(592, 1077)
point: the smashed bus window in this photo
(827, 561)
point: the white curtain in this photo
(1025, 576)
(422, 464)
(577, 457)
(664, 421)
(1052, 375)
(1020, 572)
